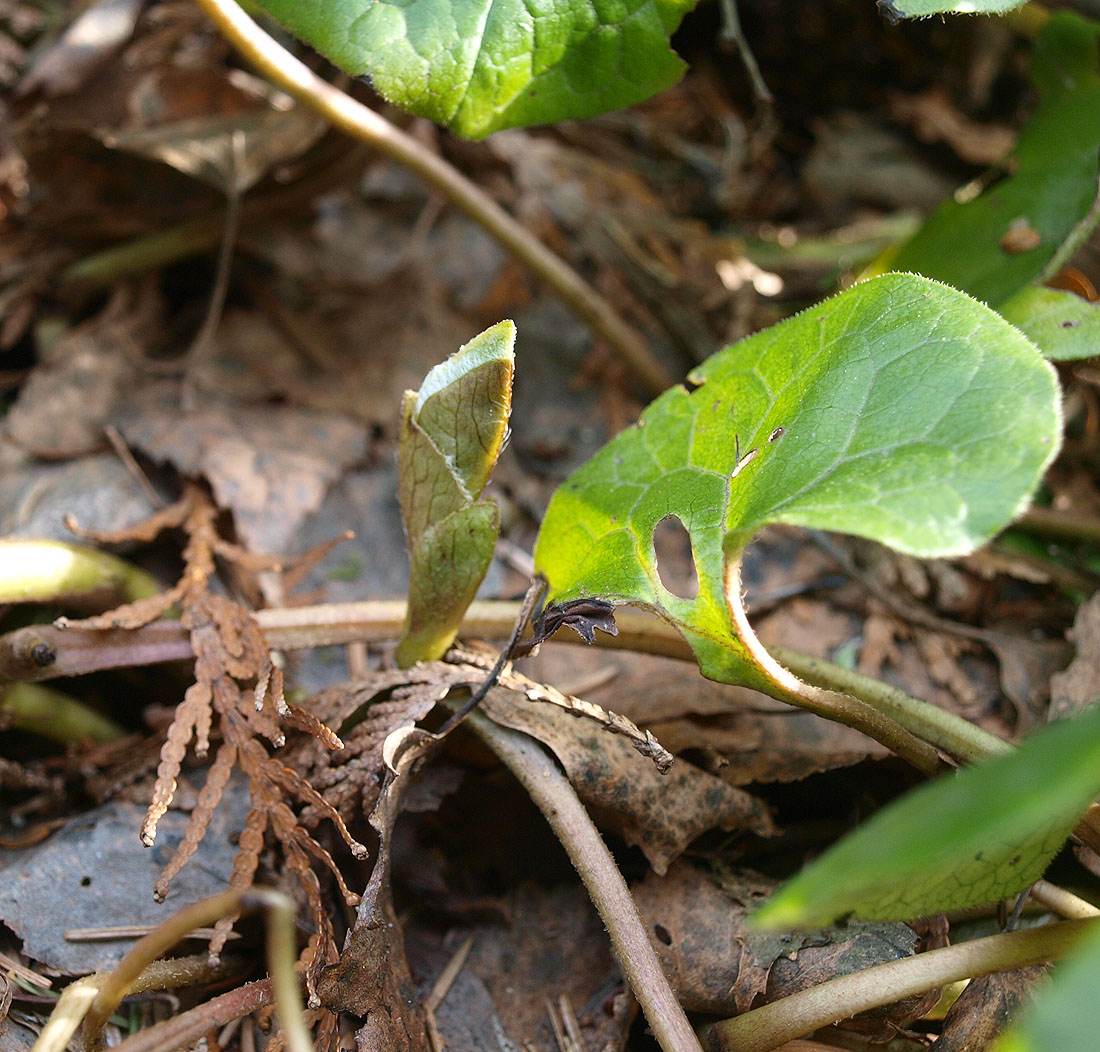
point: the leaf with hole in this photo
(452, 431)
(899, 410)
(481, 65)
(1018, 229)
(978, 836)
(1062, 325)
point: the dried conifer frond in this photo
(302, 720)
(114, 766)
(133, 615)
(188, 714)
(237, 697)
(351, 778)
(14, 775)
(142, 532)
(295, 572)
(464, 658)
(249, 845)
(210, 795)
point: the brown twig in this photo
(551, 792)
(183, 1030)
(345, 113)
(281, 957)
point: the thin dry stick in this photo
(41, 652)
(440, 988)
(1062, 902)
(279, 66)
(281, 956)
(766, 1028)
(75, 1000)
(183, 1030)
(443, 984)
(554, 796)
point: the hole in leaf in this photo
(1069, 324)
(675, 563)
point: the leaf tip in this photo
(779, 912)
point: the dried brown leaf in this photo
(254, 458)
(1079, 685)
(697, 926)
(661, 814)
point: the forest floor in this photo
(208, 294)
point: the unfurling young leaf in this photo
(974, 837)
(452, 431)
(899, 410)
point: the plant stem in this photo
(843, 708)
(1060, 525)
(959, 738)
(345, 113)
(768, 1027)
(54, 715)
(554, 796)
(183, 1030)
(104, 268)
(200, 914)
(1062, 902)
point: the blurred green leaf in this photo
(481, 65)
(1062, 325)
(981, 835)
(895, 9)
(452, 432)
(1010, 235)
(899, 410)
(1066, 1015)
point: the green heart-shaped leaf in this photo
(481, 65)
(1063, 326)
(895, 9)
(899, 410)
